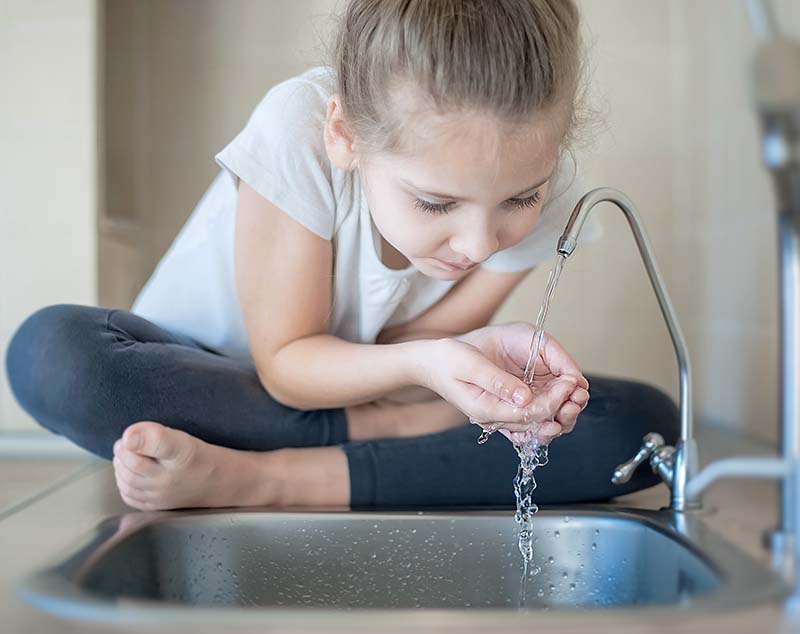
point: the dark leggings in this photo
(87, 373)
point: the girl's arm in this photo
(283, 280)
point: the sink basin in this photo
(224, 566)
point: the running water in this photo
(531, 454)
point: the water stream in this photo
(531, 454)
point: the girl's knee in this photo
(640, 406)
(50, 357)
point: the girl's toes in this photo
(130, 480)
(129, 494)
(138, 464)
(158, 442)
(134, 503)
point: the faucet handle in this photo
(624, 472)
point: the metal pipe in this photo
(740, 467)
(775, 89)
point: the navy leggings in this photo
(87, 373)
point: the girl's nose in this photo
(476, 244)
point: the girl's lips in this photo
(454, 267)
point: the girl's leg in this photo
(450, 468)
(87, 373)
(91, 374)
(443, 469)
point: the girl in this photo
(316, 332)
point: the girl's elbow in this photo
(277, 392)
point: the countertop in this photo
(45, 522)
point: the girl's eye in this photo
(520, 203)
(432, 208)
(443, 208)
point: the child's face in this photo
(467, 191)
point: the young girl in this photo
(316, 333)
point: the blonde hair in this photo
(509, 58)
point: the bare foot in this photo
(385, 418)
(158, 468)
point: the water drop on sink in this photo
(557, 534)
(550, 560)
(594, 546)
(572, 586)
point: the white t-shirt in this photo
(281, 154)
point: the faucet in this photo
(776, 91)
(676, 464)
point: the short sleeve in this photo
(540, 244)
(280, 153)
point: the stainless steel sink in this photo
(287, 566)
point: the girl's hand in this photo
(508, 347)
(475, 373)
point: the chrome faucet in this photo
(677, 464)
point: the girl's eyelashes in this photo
(530, 201)
(443, 208)
(432, 208)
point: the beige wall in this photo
(48, 176)
(681, 142)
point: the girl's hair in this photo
(509, 58)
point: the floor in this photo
(26, 478)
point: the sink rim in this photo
(55, 588)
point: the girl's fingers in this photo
(547, 402)
(504, 386)
(545, 433)
(579, 396)
(543, 407)
(568, 415)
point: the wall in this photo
(47, 134)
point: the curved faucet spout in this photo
(685, 456)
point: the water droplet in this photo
(594, 546)
(550, 560)
(564, 574)
(572, 586)
(557, 534)
(597, 531)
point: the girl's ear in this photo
(338, 143)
